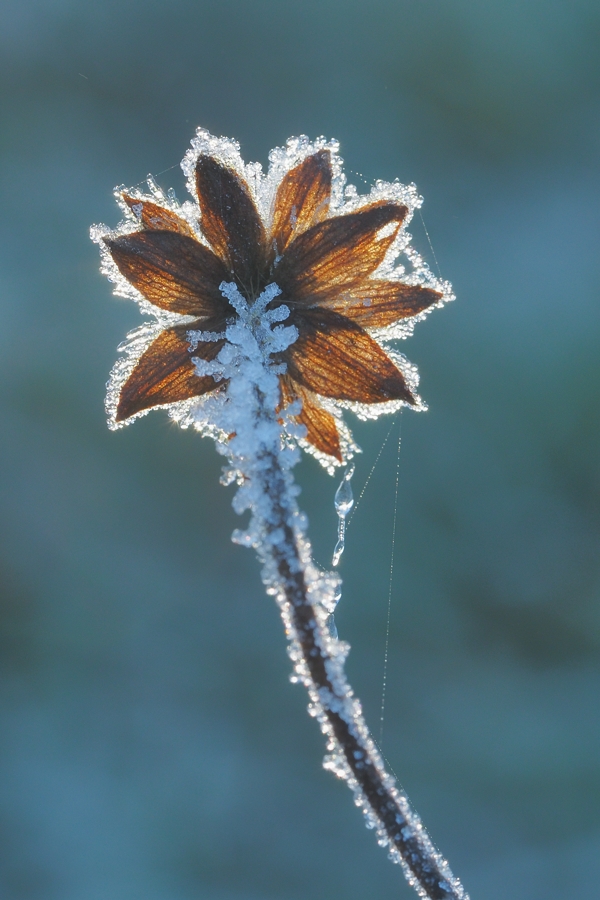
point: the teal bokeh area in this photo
(151, 745)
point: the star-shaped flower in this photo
(330, 252)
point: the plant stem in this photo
(318, 659)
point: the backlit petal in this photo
(320, 425)
(337, 252)
(374, 303)
(230, 222)
(156, 218)
(302, 198)
(335, 357)
(165, 372)
(172, 271)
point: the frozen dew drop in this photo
(331, 626)
(330, 607)
(341, 542)
(343, 502)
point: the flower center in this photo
(251, 313)
(256, 322)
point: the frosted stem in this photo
(261, 463)
(318, 659)
(259, 433)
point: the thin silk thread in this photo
(390, 586)
(370, 475)
(430, 244)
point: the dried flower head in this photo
(220, 276)
(332, 255)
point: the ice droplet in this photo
(331, 626)
(330, 607)
(343, 502)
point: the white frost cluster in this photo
(243, 417)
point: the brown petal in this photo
(336, 358)
(230, 221)
(302, 198)
(172, 271)
(156, 218)
(320, 425)
(337, 253)
(165, 373)
(374, 303)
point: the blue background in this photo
(151, 745)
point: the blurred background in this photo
(151, 744)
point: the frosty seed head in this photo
(249, 251)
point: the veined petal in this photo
(156, 218)
(335, 357)
(172, 271)
(375, 303)
(337, 252)
(320, 425)
(165, 373)
(230, 221)
(302, 198)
